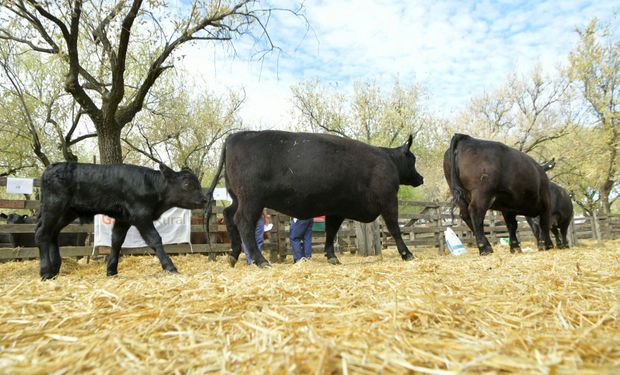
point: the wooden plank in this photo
(33, 252)
(172, 249)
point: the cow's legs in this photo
(46, 236)
(332, 224)
(480, 203)
(246, 218)
(153, 239)
(390, 216)
(119, 232)
(563, 232)
(464, 214)
(511, 223)
(233, 232)
(544, 243)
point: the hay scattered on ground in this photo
(547, 312)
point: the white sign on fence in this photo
(174, 226)
(220, 194)
(19, 185)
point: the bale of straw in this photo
(540, 312)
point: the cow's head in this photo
(409, 175)
(19, 219)
(182, 188)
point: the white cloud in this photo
(454, 50)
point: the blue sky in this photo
(453, 49)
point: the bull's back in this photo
(288, 170)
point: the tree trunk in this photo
(604, 192)
(110, 151)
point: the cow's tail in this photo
(210, 200)
(456, 187)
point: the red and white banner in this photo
(174, 226)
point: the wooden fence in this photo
(422, 226)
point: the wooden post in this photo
(493, 233)
(212, 238)
(572, 238)
(440, 239)
(367, 238)
(596, 230)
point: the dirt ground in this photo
(537, 312)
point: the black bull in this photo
(485, 175)
(305, 175)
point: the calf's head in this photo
(408, 174)
(182, 189)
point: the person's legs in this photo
(259, 232)
(308, 238)
(295, 236)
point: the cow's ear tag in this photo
(165, 171)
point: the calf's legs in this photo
(153, 239)
(46, 236)
(119, 232)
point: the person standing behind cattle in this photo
(259, 233)
(301, 230)
(131, 194)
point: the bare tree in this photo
(99, 41)
(526, 112)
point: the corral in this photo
(541, 312)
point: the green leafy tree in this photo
(595, 70)
(524, 112)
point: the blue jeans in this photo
(301, 230)
(258, 233)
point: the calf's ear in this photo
(165, 171)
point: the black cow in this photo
(132, 195)
(306, 175)
(561, 212)
(485, 175)
(27, 239)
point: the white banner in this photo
(19, 185)
(174, 226)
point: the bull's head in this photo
(409, 174)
